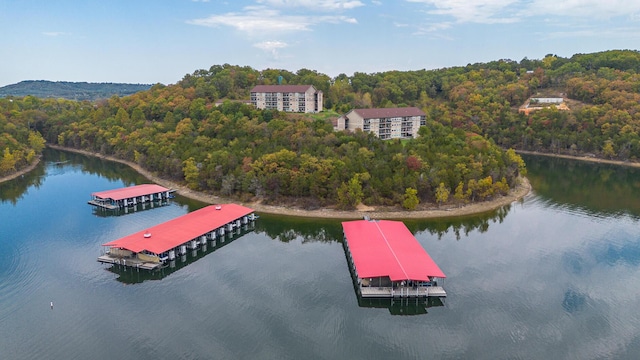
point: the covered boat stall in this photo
(156, 246)
(130, 196)
(386, 260)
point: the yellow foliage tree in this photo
(442, 194)
(411, 200)
(8, 162)
(191, 173)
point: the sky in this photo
(160, 41)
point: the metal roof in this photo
(130, 192)
(387, 248)
(281, 88)
(389, 112)
(180, 230)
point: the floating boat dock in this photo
(130, 196)
(133, 275)
(386, 261)
(156, 246)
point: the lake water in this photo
(555, 276)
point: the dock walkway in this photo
(132, 262)
(387, 292)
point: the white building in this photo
(547, 100)
(291, 98)
(385, 123)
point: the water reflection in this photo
(574, 301)
(401, 306)
(130, 275)
(286, 229)
(459, 226)
(12, 191)
(584, 187)
(104, 212)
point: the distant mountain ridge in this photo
(70, 90)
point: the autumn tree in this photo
(411, 200)
(350, 193)
(442, 194)
(191, 173)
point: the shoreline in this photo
(523, 189)
(21, 171)
(582, 158)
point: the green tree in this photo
(350, 194)
(411, 200)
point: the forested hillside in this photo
(70, 90)
(472, 117)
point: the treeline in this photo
(20, 143)
(70, 90)
(238, 151)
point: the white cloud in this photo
(476, 11)
(584, 8)
(271, 47)
(431, 28)
(509, 11)
(376, 2)
(325, 5)
(257, 20)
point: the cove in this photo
(555, 275)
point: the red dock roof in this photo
(180, 230)
(130, 192)
(387, 248)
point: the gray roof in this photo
(281, 88)
(389, 112)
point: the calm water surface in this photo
(555, 276)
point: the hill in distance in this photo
(70, 90)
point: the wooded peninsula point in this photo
(514, 195)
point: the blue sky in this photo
(151, 41)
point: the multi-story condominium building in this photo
(291, 98)
(386, 123)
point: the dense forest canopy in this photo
(238, 151)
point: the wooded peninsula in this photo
(476, 117)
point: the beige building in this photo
(385, 123)
(291, 98)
